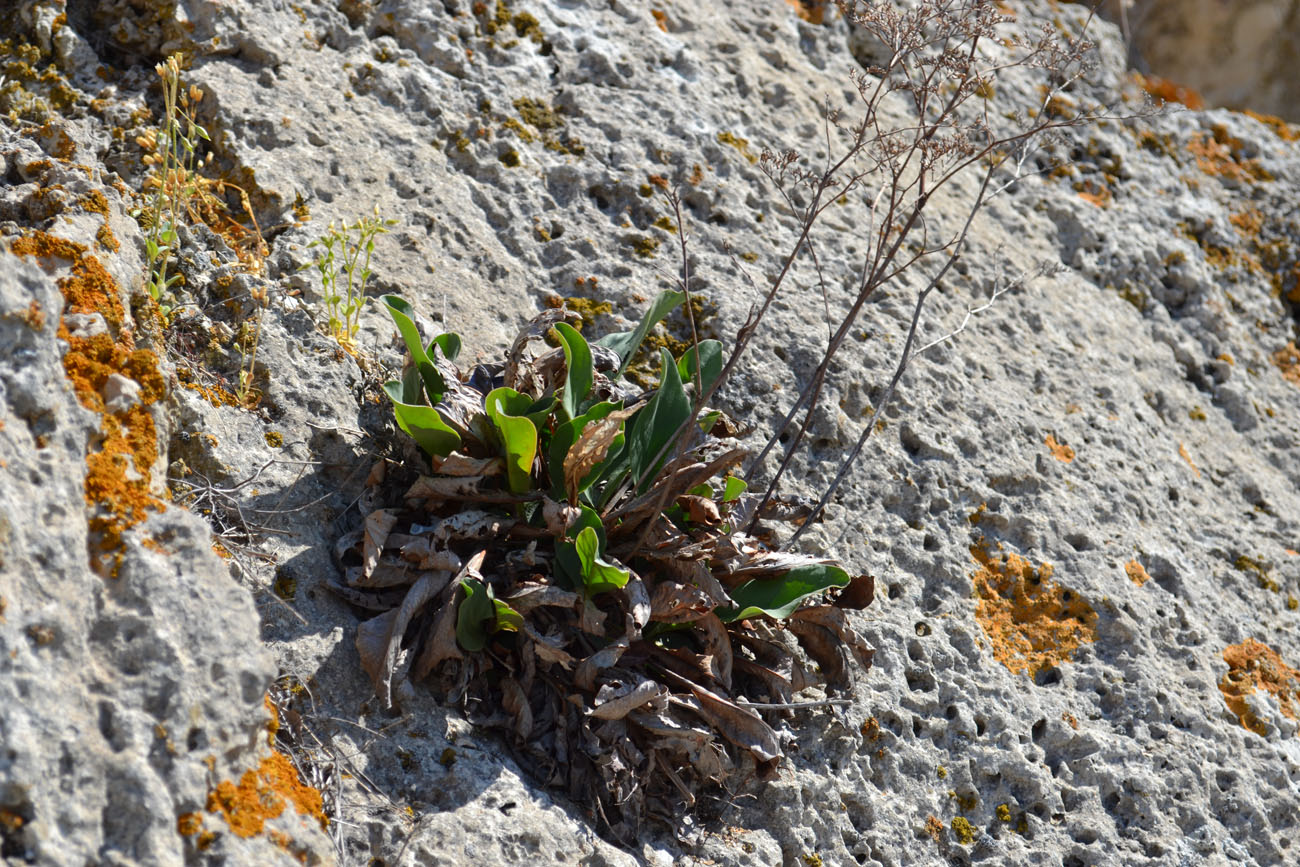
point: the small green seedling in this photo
(348, 248)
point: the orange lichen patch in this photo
(118, 473)
(1033, 622)
(1070, 719)
(934, 828)
(106, 239)
(661, 19)
(1094, 193)
(1219, 154)
(189, 824)
(812, 11)
(1287, 360)
(1060, 451)
(213, 394)
(1167, 91)
(1136, 573)
(1253, 665)
(89, 289)
(1182, 453)
(262, 795)
(1281, 128)
(1248, 222)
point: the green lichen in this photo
(666, 224)
(645, 246)
(524, 133)
(962, 830)
(510, 159)
(1263, 572)
(1004, 813)
(274, 439)
(538, 114)
(588, 309)
(739, 144)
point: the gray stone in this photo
(1152, 353)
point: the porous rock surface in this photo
(1114, 447)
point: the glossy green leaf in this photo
(508, 619)
(404, 317)
(471, 629)
(709, 352)
(580, 375)
(733, 488)
(598, 576)
(448, 343)
(422, 423)
(655, 425)
(505, 407)
(779, 597)
(628, 342)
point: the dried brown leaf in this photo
(558, 516)
(741, 726)
(385, 574)
(457, 464)
(833, 618)
(716, 647)
(859, 594)
(549, 648)
(616, 702)
(638, 601)
(590, 449)
(529, 595)
(378, 524)
(678, 603)
(778, 686)
(585, 677)
(421, 552)
(700, 510)
(378, 471)
(441, 644)
(429, 586)
(372, 645)
(515, 702)
(821, 644)
(442, 488)
(470, 525)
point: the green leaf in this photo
(508, 619)
(710, 352)
(475, 608)
(628, 342)
(424, 424)
(733, 488)
(566, 553)
(779, 597)
(598, 576)
(404, 317)
(505, 407)
(449, 343)
(656, 424)
(580, 375)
